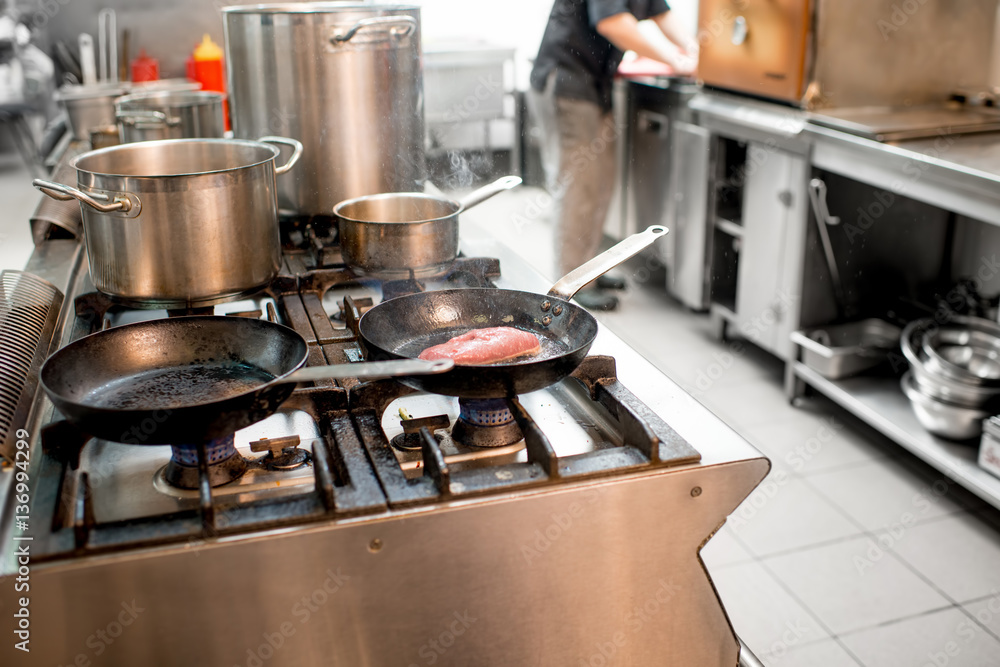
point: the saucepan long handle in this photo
(576, 279)
(482, 194)
(372, 369)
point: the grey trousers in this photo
(578, 154)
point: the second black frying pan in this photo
(187, 379)
(403, 327)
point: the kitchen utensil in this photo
(88, 63)
(201, 376)
(89, 106)
(123, 65)
(107, 45)
(182, 222)
(844, 350)
(950, 421)
(401, 234)
(344, 79)
(940, 386)
(170, 115)
(403, 327)
(967, 349)
(68, 61)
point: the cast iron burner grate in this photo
(648, 442)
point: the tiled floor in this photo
(851, 552)
(17, 202)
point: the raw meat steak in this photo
(485, 346)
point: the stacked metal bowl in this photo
(954, 378)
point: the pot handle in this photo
(149, 116)
(576, 279)
(371, 369)
(403, 26)
(482, 194)
(65, 193)
(296, 151)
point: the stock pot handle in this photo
(144, 115)
(65, 193)
(404, 26)
(296, 151)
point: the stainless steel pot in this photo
(344, 79)
(170, 114)
(398, 234)
(179, 223)
(89, 107)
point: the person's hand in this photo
(684, 65)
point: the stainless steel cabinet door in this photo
(686, 246)
(774, 219)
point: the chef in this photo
(583, 44)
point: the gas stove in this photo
(366, 507)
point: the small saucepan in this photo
(403, 327)
(406, 234)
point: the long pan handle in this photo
(578, 278)
(482, 194)
(372, 369)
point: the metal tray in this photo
(843, 350)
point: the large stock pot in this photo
(344, 79)
(179, 223)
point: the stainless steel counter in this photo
(957, 173)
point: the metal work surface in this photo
(613, 564)
(957, 173)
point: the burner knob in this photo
(282, 453)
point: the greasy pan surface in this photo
(403, 327)
(173, 381)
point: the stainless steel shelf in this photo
(879, 402)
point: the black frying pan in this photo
(405, 326)
(174, 380)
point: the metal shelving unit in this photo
(880, 403)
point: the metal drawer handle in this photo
(65, 193)
(296, 151)
(401, 26)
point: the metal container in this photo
(954, 422)
(179, 223)
(89, 107)
(344, 79)
(170, 114)
(847, 349)
(933, 383)
(402, 234)
(967, 350)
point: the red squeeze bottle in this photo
(209, 72)
(145, 68)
